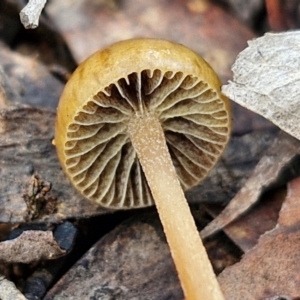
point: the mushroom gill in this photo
(100, 159)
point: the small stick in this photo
(30, 14)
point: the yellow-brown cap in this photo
(139, 76)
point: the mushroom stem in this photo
(193, 266)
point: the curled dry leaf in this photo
(272, 267)
(246, 231)
(44, 276)
(266, 173)
(267, 77)
(30, 246)
(38, 199)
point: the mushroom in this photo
(138, 123)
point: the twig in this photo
(30, 14)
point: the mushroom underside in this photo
(100, 159)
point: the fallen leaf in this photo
(131, 262)
(30, 246)
(237, 162)
(266, 79)
(26, 149)
(290, 211)
(245, 231)
(44, 274)
(8, 290)
(267, 172)
(92, 25)
(38, 198)
(272, 267)
(27, 81)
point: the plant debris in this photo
(38, 200)
(8, 290)
(266, 78)
(272, 267)
(26, 149)
(267, 172)
(30, 14)
(30, 246)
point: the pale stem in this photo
(193, 266)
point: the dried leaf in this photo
(267, 77)
(265, 174)
(27, 81)
(131, 262)
(230, 173)
(100, 23)
(26, 148)
(245, 231)
(272, 267)
(8, 290)
(290, 211)
(30, 246)
(38, 198)
(7, 91)
(43, 277)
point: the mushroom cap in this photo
(139, 76)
